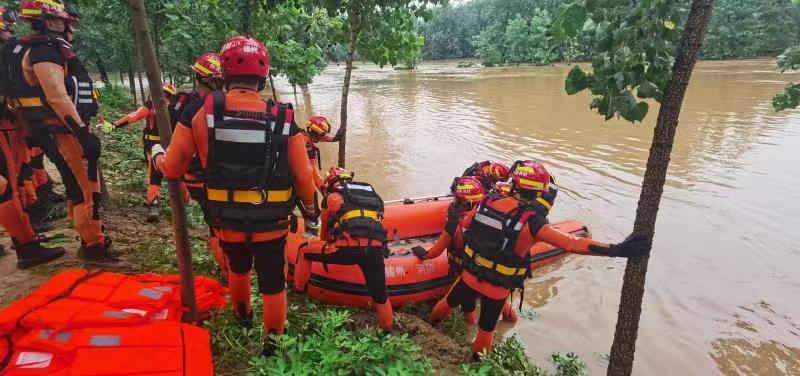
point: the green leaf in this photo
(570, 21)
(576, 81)
(647, 90)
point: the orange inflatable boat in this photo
(409, 222)
(84, 322)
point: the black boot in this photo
(153, 212)
(99, 253)
(244, 318)
(269, 345)
(32, 254)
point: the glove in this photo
(420, 252)
(90, 144)
(156, 150)
(630, 247)
(106, 127)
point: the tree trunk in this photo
(148, 54)
(630, 306)
(103, 73)
(272, 87)
(132, 84)
(304, 89)
(341, 135)
(247, 16)
(121, 78)
(141, 86)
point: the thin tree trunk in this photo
(630, 306)
(272, 87)
(141, 86)
(341, 135)
(121, 78)
(132, 84)
(103, 73)
(148, 54)
(304, 89)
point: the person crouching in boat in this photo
(499, 233)
(351, 233)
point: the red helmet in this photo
(502, 188)
(42, 9)
(208, 65)
(169, 88)
(8, 18)
(498, 171)
(336, 175)
(530, 176)
(244, 56)
(467, 189)
(318, 125)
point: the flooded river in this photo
(723, 288)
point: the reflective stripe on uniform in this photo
(489, 221)
(210, 120)
(359, 213)
(86, 101)
(245, 136)
(84, 92)
(287, 127)
(30, 102)
(545, 203)
(251, 197)
(359, 187)
(502, 269)
(84, 84)
(104, 341)
(150, 137)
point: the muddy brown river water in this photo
(723, 288)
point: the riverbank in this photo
(322, 339)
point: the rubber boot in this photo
(274, 312)
(274, 316)
(239, 287)
(481, 344)
(470, 318)
(97, 253)
(385, 315)
(509, 315)
(32, 254)
(440, 312)
(153, 212)
(302, 273)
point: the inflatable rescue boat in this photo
(409, 223)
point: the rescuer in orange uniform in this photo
(208, 78)
(37, 68)
(255, 167)
(317, 130)
(499, 234)
(488, 173)
(351, 233)
(467, 192)
(12, 216)
(151, 137)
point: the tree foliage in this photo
(740, 28)
(635, 46)
(789, 98)
(523, 40)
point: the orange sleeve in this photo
(51, 80)
(301, 169)
(179, 153)
(318, 182)
(133, 117)
(569, 243)
(333, 204)
(439, 246)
